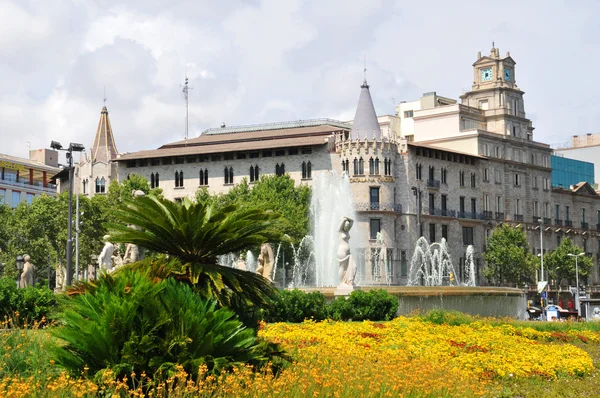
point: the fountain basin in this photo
(473, 300)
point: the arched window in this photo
(97, 187)
(303, 170)
(251, 173)
(226, 175)
(156, 180)
(279, 170)
(205, 176)
(181, 178)
(256, 173)
(231, 175)
(371, 166)
(152, 180)
(176, 179)
(355, 166)
(347, 166)
(102, 185)
(361, 166)
(344, 166)
(377, 166)
(308, 170)
(201, 176)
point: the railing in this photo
(442, 212)
(23, 183)
(534, 219)
(433, 183)
(547, 221)
(568, 223)
(488, 215)
(499, 215)
(584, 225)
(558, 222)
(378, 207)
(518, 217)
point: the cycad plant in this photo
(192, 235)
(128, 322)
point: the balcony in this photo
(568, 223)
(24, 183)
(547, 221)
(558, 222)
(442, 212)
(433, 183)
(378, 207)
(499, 215)
(584, 225)
(487, 215)
(518, 217)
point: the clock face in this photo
(507, 75)
(486, 74)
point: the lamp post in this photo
(576, 281)
(73, 147)
(541, 221)
(20, 262)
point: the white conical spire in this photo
(365, 118)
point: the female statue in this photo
(347, 268)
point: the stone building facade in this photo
(438, 169)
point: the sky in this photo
(259, 61)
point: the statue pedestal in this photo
(344, 290)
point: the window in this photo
(30, 197)
(461, 178)
(267, 154)
(517, 180)
(585, 246)
(546, 161)
(376, 166)
(361, 166)
(444, 176)
(547, 210)
(485, 150)
(431, 203)
(567, 213)
(473, 207)
(445, 231)
(228, 174)
(180, 179)
(557, 212)
(408, 114)
(151, 180)
(374, 197)
(241, 155)
(228, 156)
(190, 159)
(518, 207)
(16, 198)
(85, 186)
(536, 209)
(472, 180)
(216, 157)
(431, 233)
(431, 173)
(203, 175)
(2, 196)
(483, 104)
(306, 150)
(499, 204)
(254, 155)
(293, 151)
(462, 206)
(486, 176)
(375, 227)
(497, 177)
(419, 171)
(582, 215)
(467, 235)
(546, 184)
(279, 169)
(371, 166)
(535, 182)
(444, 204)
(355, 166)
(179, 160)
(403, 263)
(280, 152)
(100, 185)
(486, 203)
(251, 173)
(497, 152)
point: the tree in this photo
(117, 192)
(508, 257)
(193, 235)
(562, 266)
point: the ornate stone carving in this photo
(347, 268)
(28, 275)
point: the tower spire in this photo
(185, 90)
(104, 148)
(365, 118)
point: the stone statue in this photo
(28, 274)
(105, 257)
(265, 261)
(91, 272)
(61, 278)
(347, 268)
(133, 252)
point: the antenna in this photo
(365, 67)
(104, 97)
(185, 90)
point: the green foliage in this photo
(194, 235)
(128, 322)
(296, 306)
(372, 305)
(562, 266)
(452, 318)
(32, 303)
(508, 256)
(119, 192)
(24, 353)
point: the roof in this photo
(243, 141)
(365, 123)
(104, 149)
(25, 162)
(275, 126)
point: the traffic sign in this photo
(541, 286)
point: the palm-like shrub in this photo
(193, 235)
(128, 322)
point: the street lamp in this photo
(73, 147)
(577, 281)
(20, 262)
(541, 221)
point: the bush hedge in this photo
(296, 306)
(28, 305)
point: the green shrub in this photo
(296, 306)
(31, 304)
(374, 305)
(127, 322)
(452, 318)
(340, 309)
(24, 353)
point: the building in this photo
(567, 172)
(22, 179)
(438, 168)
(585, 148)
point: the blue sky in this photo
(273, 60)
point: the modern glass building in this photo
(567, 172)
